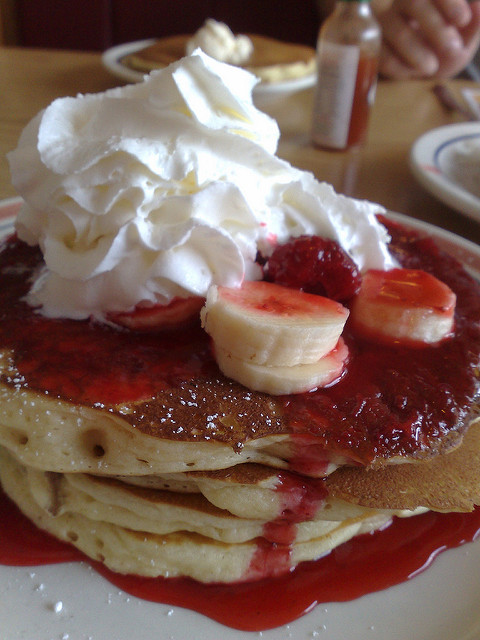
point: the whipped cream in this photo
(164, 188)
(217, 40)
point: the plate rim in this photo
(424, 166)
(112, 55)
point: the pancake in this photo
(102, 441)
(115, 536)
(450, 482)
(163, 512)
(159, 531)
(446, 483)
(271, 60)
(142, 530)
(138, 439)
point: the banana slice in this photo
(406, 305)
(285, 380)
(267, 324)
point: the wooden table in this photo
(31, 79)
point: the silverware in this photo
(450, 102)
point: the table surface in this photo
(31, 78)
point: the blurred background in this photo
(99, 24)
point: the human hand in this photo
(428, 38)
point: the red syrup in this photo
(368, 563)
(395, 398)
(299, 502)
(386, 404)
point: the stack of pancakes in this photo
(211, 525)
(272, 60)
(199, 477)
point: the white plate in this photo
(112, 61)
(440, 166)
(71, 602)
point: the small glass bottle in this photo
(347, 56)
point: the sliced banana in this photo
(266, 324)
(406, 305)
(283, 380)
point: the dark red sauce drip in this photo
(270, 558)
(309, 457)
(299, 502)
(368, 563)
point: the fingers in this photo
(391, 65)
(455, 12)
(405, 47)
(452, 64)
(427, 19)
(433, 20)
(423, 38)
(471, 31)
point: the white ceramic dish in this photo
(439, 162)
(112, 61)
(71, 602)
(472, 98)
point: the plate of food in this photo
(165, 464)
(281, 67)
(72, 600)
(446, 162)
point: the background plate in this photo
(112, 61)
(71, 602)
(435, 162)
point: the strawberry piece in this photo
(315, 265)
(178, 313)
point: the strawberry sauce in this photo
(299, 502)
(392, 400)
(368, 563)
(397, 398)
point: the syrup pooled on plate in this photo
(368, 563)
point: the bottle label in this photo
(332, 110)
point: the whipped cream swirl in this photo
(161, 189)
(218, 41)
